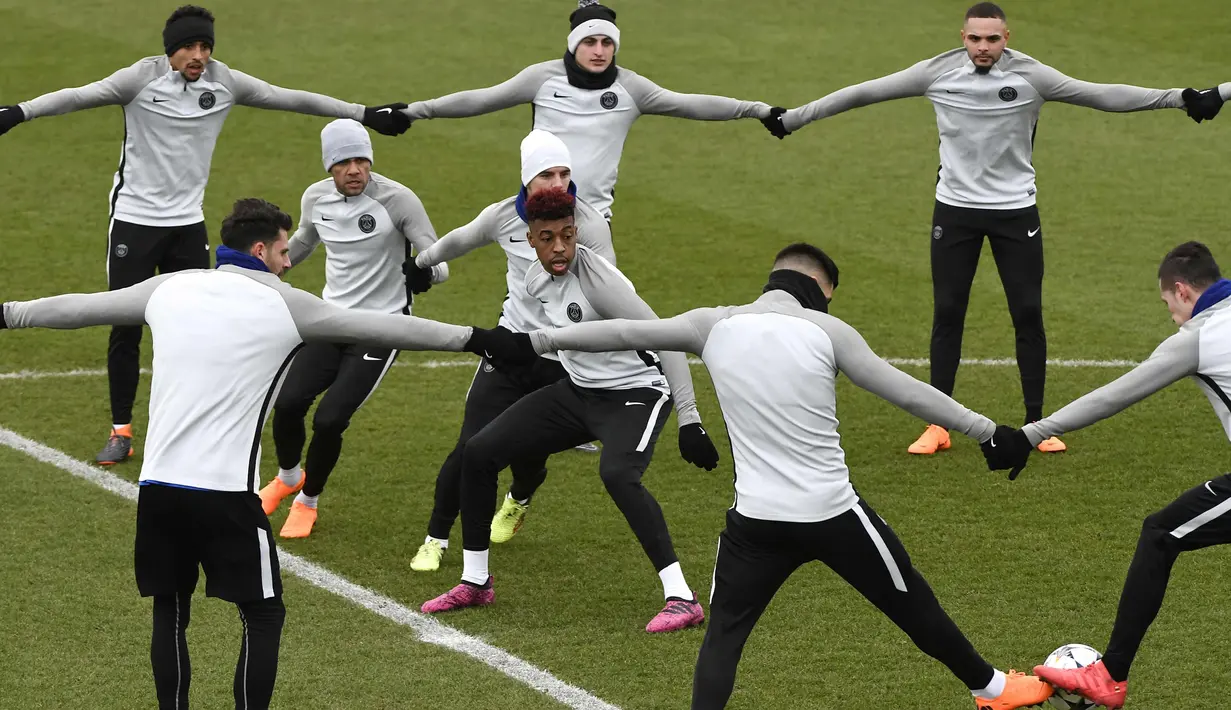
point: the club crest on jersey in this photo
(1008, 93)
(574, 312)
(367, 224)
(609, 100)
(487, 366)
(121, 250)
(937, 232)
(207, 100)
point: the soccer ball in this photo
(1069, 656)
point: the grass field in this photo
(701, 208)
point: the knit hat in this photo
(540, 151)
(344, 139)
(591, 19)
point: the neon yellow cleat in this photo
(508, 520)
(427, 559)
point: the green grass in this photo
(1022, 567)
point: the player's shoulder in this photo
(588, 212)
(547, 69)
(1013, 60)
(317, 190)
(147, 69)
(944, 62)
(387, 188)
(216, 70)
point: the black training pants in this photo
(557, 418)
(755, 557)
(1016, 237)
(491, 392)
(1199, 518)
(134, 253)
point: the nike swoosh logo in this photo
(2, 110)
(1034, 232)
(992, 442)
(559, 95)
(1203, 93)
(1211, 490)
(517, 241)
(954, 92)
(634, 404)
(369, 358)
(323, 217)
(542, 301)
(384, 110)
(160, 102)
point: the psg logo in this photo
(121, 250)
(207, 100)
(367, 224)
(1008, 93)
(609, 100)
(937, 232)
(574, 312)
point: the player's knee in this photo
(1028, 315)
(329, 423)
(949, 310)
(266, 615)
(616, 477)
(1156, 527)
(481, 451)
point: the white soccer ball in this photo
(1068, 657)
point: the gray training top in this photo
(774, 365)
(170, 128)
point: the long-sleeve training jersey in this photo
(775, 365)
(170, 128)
(986, 121)
(593, 123)
(223, 340)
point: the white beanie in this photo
(540, 151)
(592, 28)
(344, 139)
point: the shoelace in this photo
(678, 608)
(115, 438)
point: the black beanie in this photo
(592, 11)
(183, 31)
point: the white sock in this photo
(673, 582)
(474, 566)
(309, 501)
(289, 476)
(519, 502)
(119, 426)
(444, 544)
(993, 689)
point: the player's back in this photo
(222, 341)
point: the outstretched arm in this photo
(1175, 358)
(116, 90)
(686, 333)
(250, 91)
(654, 99)
(873, 374)
(320, 321)
(1053, 85)
(463, 240)
(475, 102)
(913, 81)
(125, 306)
(410, 217)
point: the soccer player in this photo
(589, 102)
(545, 164)
(774, 364)
(368, 224)
(620, 398)
(222, 342)
(1199, 300)
(174, 108)
(987, 100)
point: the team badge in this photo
(1008, 93)
(367, 224)
(609, 100)
(487, 366)
(937, 232)
(121, 250)
(574, 312)
(207, 100)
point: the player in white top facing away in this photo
(545, 164)
(222, 342)
(774, 363)
(620, 398)
(368, 224)
(174, 107)
(589, 102)
(987, 100)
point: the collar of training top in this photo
(520, 203)
(801, 287)
(228, 256)
(1218, 291)
(583, 79)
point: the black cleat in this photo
(118, 450)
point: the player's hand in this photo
(419, 279)
(1008, 450)
(696, 447)
(10, 116)
(773, 123)
(1202, 105)
(3, 323)
(387, 120)
(501, 347)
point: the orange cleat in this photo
(1052, 446)
(274, 491)
(299, 523)
(934, 438)
(1092, 682)
(1020, 691)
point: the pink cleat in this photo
(460, 597)
(677, 615)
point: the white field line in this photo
(435, 364)
(426, 628)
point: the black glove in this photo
(773, 124)
(3, 323)
(501, 347)
(418, 279)
(1008, 449)
(1202, 105)
(696, 447)
(10, 116)
(387, 120)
